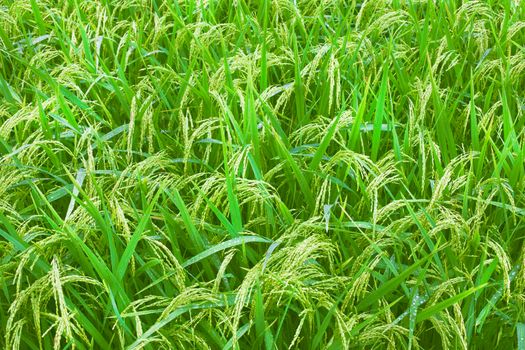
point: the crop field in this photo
(262, 174)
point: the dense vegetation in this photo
(245, 174)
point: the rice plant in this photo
(262, 174)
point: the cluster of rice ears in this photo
(262, 174)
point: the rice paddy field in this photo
(262, 174)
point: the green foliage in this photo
(270, 174)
